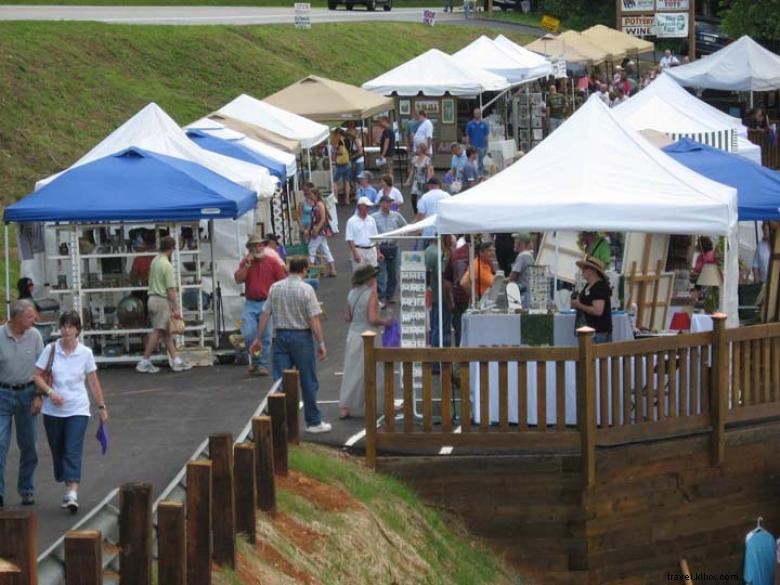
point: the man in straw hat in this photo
(593, 301)
(257, 271)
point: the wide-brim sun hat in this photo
(363, 274)
(256, 239)
(365, 201)
(595, 264)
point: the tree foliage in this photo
(759, 19)
(580, 14)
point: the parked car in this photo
(370, 5)
(709, 37)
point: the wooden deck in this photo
(673, 454)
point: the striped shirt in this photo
(387, 222)
(292, 303)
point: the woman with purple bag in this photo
(362, 312)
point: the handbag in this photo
(47, 375)
(175, 325)
(392, 334)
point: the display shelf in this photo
(120, 332)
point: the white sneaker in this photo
(323, 427)
(146, 367)
(179, 365)
(70, 502)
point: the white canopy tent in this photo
(537, 65)
(218, 130)
(282, 122)
(152, 129)
(666, 107)
(744, 65)
(435, 73)
(494, 58)
(595, 173)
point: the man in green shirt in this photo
(556, 108)
(162, 305)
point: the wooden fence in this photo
(622, 392)
(223, 495)
(770, 151)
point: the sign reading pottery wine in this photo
(671, 25)
(672, 5)
(638, 5)
(638, 26)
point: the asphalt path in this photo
(158, 420)
(240, 15)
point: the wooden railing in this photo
(770, 152)
(580, 397)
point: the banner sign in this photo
(671, 25)
(429, 17)
(550, 23)
(559, 68)
(672, 4)
(302, 11)
(639, 26)
(638, 5)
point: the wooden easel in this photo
(648, 284)
(770, 309)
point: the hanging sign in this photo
(672, 4)
(639, 26)
(302, 12)
(638, 5)
(550, 23)
(671, 25)
(559, 68)
(429, 17)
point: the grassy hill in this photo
(339, 523)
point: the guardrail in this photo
(117, 540)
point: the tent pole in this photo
(213, 285)
(751, 98)
(7, 273)
(557, 256)
(473, 275)
(438, 280)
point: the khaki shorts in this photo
(159, 312)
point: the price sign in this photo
(302, 12)
(550, 23)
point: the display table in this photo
(564, 331)
(502, 152)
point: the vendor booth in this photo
(153, 130)
(445, 89)
(106, 217)
(537, 66)
(617, 42)
(555, 47)
(666, 107)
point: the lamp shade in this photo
(680, 321)
(709, 276)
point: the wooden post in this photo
(171, 546)
(277, 408)
(245, 487)
(9, 573)
(719, 387)
(586, 404)
(135, 534)
(369, 377)
(291, 388)
(264, 463)
(19, 543)
(84, 557)
(223, 515)
(198, 523)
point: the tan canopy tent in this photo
(555, 47)
(324, 100)
(615, 41)
(587, 47)
(252, 131)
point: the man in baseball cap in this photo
(360, 228)
(429, 203)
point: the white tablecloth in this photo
(564, 332)
(701, 322)
(494, 330)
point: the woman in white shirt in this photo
(386, 188)
(66, 412)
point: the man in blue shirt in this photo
(477, 132)
(457, 163)
(365, 189)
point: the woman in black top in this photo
(593, 301)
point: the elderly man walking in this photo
(20, 346)
(296, 313)
(387, 220)
(360, 228)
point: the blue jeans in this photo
(66, 441)
(387, 279)
(296, 349)
(249, 320)
(15, 406)
(447, 328)
(602, 338)
(481, 152)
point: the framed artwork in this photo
(427, 106)
(404, 107)
(536, 99)
(523, 112)
(538, 134)
(448, 111)
(525, 146)
(536, 122)
(522, 99)
(537, 110)
(524, 135)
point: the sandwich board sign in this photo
(302, 12)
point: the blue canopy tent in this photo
(134, 185)
(235, 149)
(758, 188)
